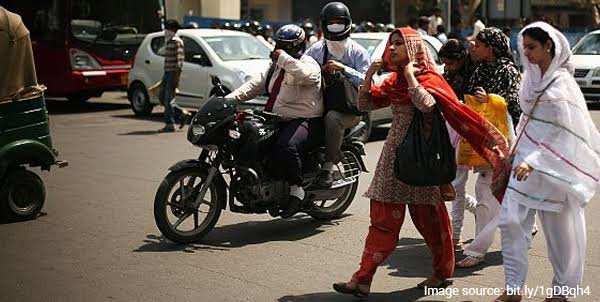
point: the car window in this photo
(369, 44)
(158, 46)
(590, 45)
(230, 48)
(192, 48)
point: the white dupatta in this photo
(560, 141)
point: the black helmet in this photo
(226, 25)
(369, 26)
(252, 27)
(266, 30)
(336, 10)
(290, 38)
(379, 27)
(390, 27)
(309, 28)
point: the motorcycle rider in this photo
(352, 60)
(293, 82)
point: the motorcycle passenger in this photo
(352, 61)
(293, 82)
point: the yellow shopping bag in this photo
(495, 111)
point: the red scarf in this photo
(486, 139)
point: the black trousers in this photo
(296, 138)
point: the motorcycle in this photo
(234, 169)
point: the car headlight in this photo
(597, 72)
(243, 76)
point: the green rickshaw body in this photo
(24, 130)
(25, 134)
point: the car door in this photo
(151, 66)
(194, 82)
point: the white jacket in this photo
(300, 93)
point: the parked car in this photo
(586, 58)
(374, 43)
(233, 56)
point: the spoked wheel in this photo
(331, 209)
(174, 212)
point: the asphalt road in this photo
(97, 241)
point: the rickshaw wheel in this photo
(22, 195)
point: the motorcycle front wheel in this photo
(174, 211)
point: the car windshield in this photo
(230, 48)
(590, 45)
(369, 44)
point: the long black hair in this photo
(539, 35)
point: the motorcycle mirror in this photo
(215, 80)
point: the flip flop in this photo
(476, 261)
(344, 289)
(442, 284)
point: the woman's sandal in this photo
(344, 289)
(469, 261)
(435, 284)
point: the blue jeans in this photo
(167, 96)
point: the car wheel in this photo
(365, 133)
(140, 100)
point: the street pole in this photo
(393, 12)
(449, 15)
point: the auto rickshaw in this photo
(24, 131)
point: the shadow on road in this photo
(378, 134)
(154, 117)
(413, 259)
(405, 295)
(226, 237)
(57, 106)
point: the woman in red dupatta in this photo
(413, 85)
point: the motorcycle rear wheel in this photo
(332, 209)
(172, 206)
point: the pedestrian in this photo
(441, 34)
(556, 168)
(458, 69)
(174, 56)
(424, 25)
(496, 73)
(435, 20)
(478, 25)
(350, 60)
(413, 85)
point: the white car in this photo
(235, 57)
(586, 58)
(375, 44)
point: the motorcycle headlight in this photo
(195, 132)
(597, 72)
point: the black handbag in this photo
(423, 160)
(339, 93)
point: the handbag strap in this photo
(536, 102)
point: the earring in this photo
(547, 50)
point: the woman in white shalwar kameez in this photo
(556, 166)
